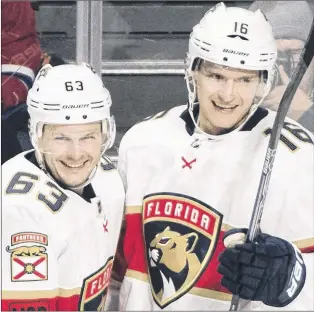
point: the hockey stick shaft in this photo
(305, 60)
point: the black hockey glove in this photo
(270, 270)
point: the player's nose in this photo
(75, 150)
(227, 91)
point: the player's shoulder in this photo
(160, 122)
(25, 184)
(270, 117)
(107, 182)
(19, 163)
(295, 140)
(22, 182)
(107, 173)
(154, 128)
(106, 164)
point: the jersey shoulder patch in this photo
(293, 137)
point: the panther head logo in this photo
(181, 234)
(27, 251)
(172, 253)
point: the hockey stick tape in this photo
(234, 237)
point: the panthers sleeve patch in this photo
(29, 258)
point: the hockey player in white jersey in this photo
(191, 176)
(62, 203)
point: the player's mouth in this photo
(74, 165)
(224, 108)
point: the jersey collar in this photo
(259, 114)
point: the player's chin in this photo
(224, 122)
(75, 181)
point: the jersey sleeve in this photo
(295, 219)
(119, 265)
(122, 163)
(126, 149)
(29, 281)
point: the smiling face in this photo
(71, 152)
(225, 96)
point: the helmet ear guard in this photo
(108, 126)
(189, 79)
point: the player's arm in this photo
(117, 274)
(20, 53)
(119, 265)
(279, 269)
(297, 220)
(29, 280)
(131, 259)
(122, 157)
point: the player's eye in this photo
(215, 76)
(246, 79)
(89, 137)
(61, 138)
(164, 241)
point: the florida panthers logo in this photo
(180, 236)
(175, 252)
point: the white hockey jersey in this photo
(57, 247)
(184, 191)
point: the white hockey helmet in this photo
(233, 37)
(69, 94)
